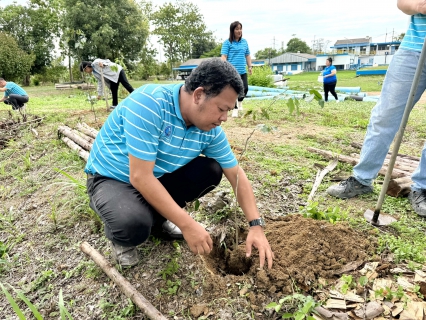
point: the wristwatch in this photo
(257, 222)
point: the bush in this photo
(261, 77)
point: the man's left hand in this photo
(256, 238)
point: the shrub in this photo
(261, 77)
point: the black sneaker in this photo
(348, 188)
(418, 202)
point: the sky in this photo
(272, 23)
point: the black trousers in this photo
(114, 87)
(16, 101)
(128, 218)
(330, 87)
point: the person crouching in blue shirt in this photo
(162, 147)
(14, 95)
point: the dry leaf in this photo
(370, 311)
(335, 304)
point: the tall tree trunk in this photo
(70, 68)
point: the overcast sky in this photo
(274, 22)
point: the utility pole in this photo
(273, 43)
(393, 30)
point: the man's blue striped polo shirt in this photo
(13, 88)
(415, 35)
(149, 126)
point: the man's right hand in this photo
(198, 239)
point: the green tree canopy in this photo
(295, 44)
(105, 28)
(34, 28)
(268, 53)
(15, 63)
(215, 52)
(182, 31)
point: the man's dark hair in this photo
(85, 64)
(214, 75)
(232, 29)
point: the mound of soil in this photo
(305, 251)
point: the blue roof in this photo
(186, 68)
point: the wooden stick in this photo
(84, 136)
(66, 131)
(88, 129)
(320, 175)
(396, 173)
(125, 286)
(359, 146)
(74, 146)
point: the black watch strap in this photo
(257, 222)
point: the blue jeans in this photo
(386, 118)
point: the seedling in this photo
(301, 307)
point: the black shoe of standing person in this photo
(348, 188)
(418, 202)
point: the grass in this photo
(345, 78)
(44, 211)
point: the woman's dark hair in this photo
(232, 29)
(214, 75)
(330, 60)
(85, 64)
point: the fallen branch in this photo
(67, 131)
(86, 129)
(84, 136)
(74, 146)
(320, 175)
(125, 286)
(396, 173)
(359, 146)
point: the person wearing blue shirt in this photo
(14, 95)
(161, 148)
(386, 116)
(235, 50)
(330, 79)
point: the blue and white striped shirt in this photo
(149, 126)
(13, 88)
(236, 53)
(415, 35)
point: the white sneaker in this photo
(235, 113)
(240, 105)
(172, 230)
(337, 101)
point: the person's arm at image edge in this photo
(412, 7)
(256, 237)
(143, 179)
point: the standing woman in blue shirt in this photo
(330, 79)
(236, 51)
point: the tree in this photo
(15, 63)
(35, 29)
(399, 38)
(181, 30)
(215, 52)
(268, 53)
(297, 45)
(147, 65)
(105, 28)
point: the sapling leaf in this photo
(363, 281)
(287, 315)
(13, 303)
(197, 205)
(290, 105)
(271, 305)
(316, 94)
(321, 103)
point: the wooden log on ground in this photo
(74, 146)
(396, 173)
(405, 161)
(84, 136)
(406, 156)
(399, 187)
(404, 166)
(124, 285)
(85, 128)
(67, 131)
